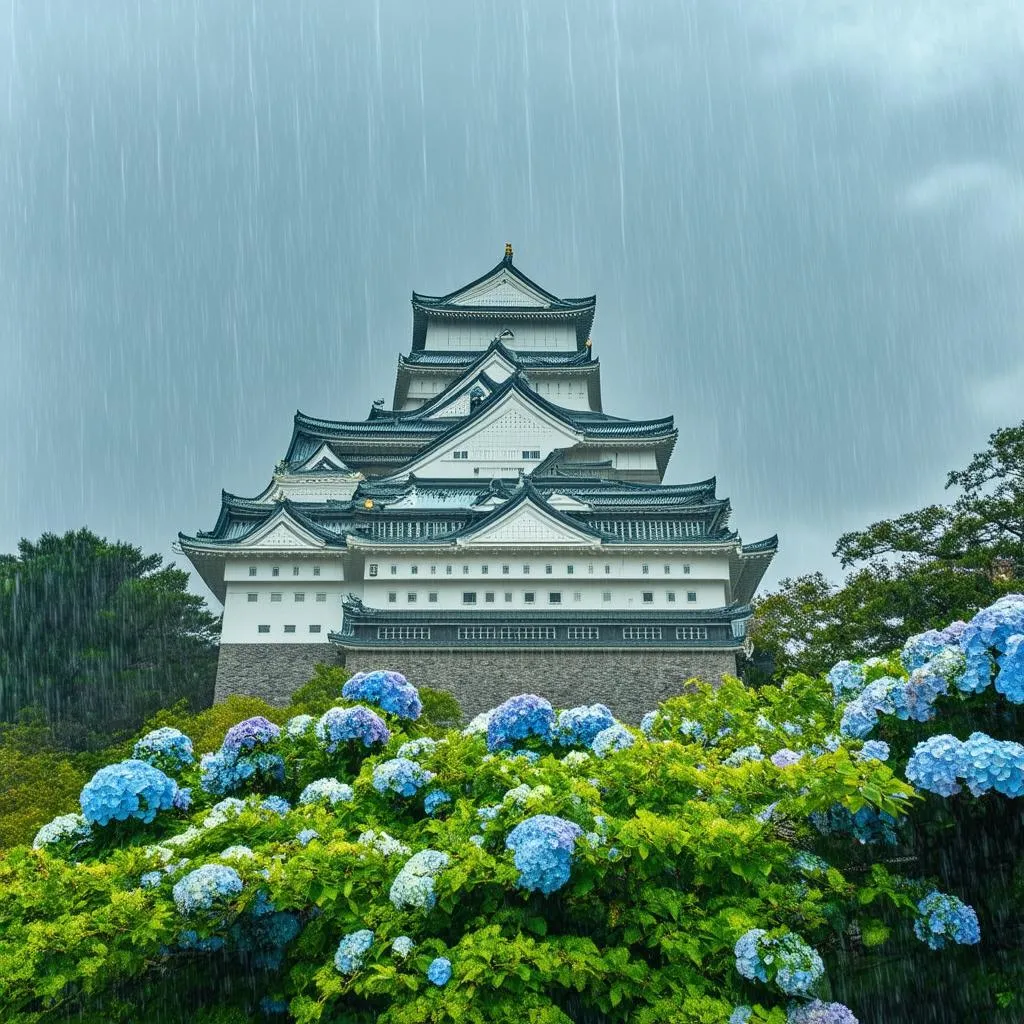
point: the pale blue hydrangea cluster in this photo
(226, 772)
(439, 972)
(860, 716)
(326, 791)
(307, 835)
(817, 1012)
(615, 737)
(220, 812)
(345, 725)
(237, 853)
(352, 951)
(936, 764)
(390, 691)
(921, 648)
(413, 887)
(168, 749)
(1010, 680)
(205, 888)
(846, 679)
(386, 845)
(751, 752)
(648, 722)
(151, 879)
(873, 750)
(276, 804)
(435, 799)
(809, 863)
(741, 1015)
(71, 828)
(942, 918)
(990, 630)
(412, 749)
(401, 776)
(298, 726)
(577, 727)
(794, 965)
(183, 799)
(477, 840)
(985, 764)
(189, 940)
(518, 795)
(519, 718)
(128, 789)
(576, 758)
(478, 725)
(543, 848)
(792, 729)
(402, 946)
(786, 758)
(488, 813)
(693, 730)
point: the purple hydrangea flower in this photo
(786, 758)
(543, 848)
(817, 1012)
(344, 725)
(249, 734)
(390, 691)
(518, 718)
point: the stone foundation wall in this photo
(271, 671)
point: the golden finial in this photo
(508, 250)
(589, 343)
(368, 503)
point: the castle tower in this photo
(494, 532)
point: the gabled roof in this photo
(503, 293)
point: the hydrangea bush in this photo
(537, 866)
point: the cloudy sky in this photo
(803, 219)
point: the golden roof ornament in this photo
(508, 252)
(368, 503)
(589, 343)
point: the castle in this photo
(494, 532)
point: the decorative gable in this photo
(563, 502)
(502, 289)
(461, 405)
(529, 524)
(323, 460)
(282, 533)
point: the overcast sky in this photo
(803, 219)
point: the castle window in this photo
(411, 597)
(252, 570)
(645, 569)
(555, 597)
(670, 596)
(403, 632)
(295, 570)
(489, 597)
(691, 632)
(504, 570)
(465, 570)
(394, 570)
(583, 633)
(316, 570)
(607, 569)
(641, 632)
(447, 570)
(577, 595)
(252, 598)
(392, 597)
(526, 570)
(433, 570)
(570, 569)
(532, 453)
(648, 597)
(548, 569)
(462, 455)
(529, 597)
(314, 629)
(691, 595)
(469, 597)
(276, 571)
(606, 596)
(668, 570)
(508, 597)
(484, 569)
(299, 597)
(289, 629)
(275, 598)
(263, 629)
(432, 597)
(590, 569)
(373, 569)
(686, 570)
(321, 598)
(414, 570)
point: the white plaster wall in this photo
(243, 617)
(566, 392)
(476, 335)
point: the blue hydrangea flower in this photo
(237, 853)
(936, 763)
(792, 729)
(401, 776)
(615, 737)
(383, 843)
(743, 754)
(478, 725)
(943, 918)
(693, 730)
(205, 888)
(989, 631)
(846, 679)
(477, 840)
(190, 940)
(330, 790)
(249, 734)
(786, 758)
(435, 799)
(298, 726)
(63, 828)
(861, 715)
(614, 853)
(352, 950)
(402, 946)
(748, 955)
(168, 749)
(873, 750)
(412, 749)
(988, 764)
(809, 863)
(488, 813)
(183, 799)
(439, 972)
(867, 826)
(220, 812)
(578, 726)
(344, 725)
(129, 789)
(151, 879)
(794, 965)
(273, 1007)
(226, 771)
(817, 1012)
(740, 1015)
(414, 885)
(518, 718)
(543, 848)
(921, 648)
(277, 804)
(1010, 680)
(915, 699)
(307, 835)
(390, 691)
(648, 722)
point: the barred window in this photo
(641, 632)
(252, 570)
(570, 569)
(548, 569)
(529, 597)
(606, 596)
(373, 568)
(447, 570)
(263, 629)
(577, 595)
(670, 596)
(686, 570)
(645, 569)
(489, 597)
(584, 633)
(414, 570)
(314, 629)
(504, 570)
(403, 632)
(526, 570)
(275, 598)
(295, 570)
(289, 629)
(555, 597)
(477, 633)
(299, 597)
(508, 597)
(691, 595)
(432, 597)
(411, 597)
(484, 569)
(321, 598)
(526, 633)
(316, 570)
(648, 597)
(394, 570)
(275, 571)
(668, 570)
(691, 632)
(252, 597)
(469, 597)
(392, 596)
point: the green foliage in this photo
(99, 635)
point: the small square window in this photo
(316, 572)
(489, 597)
(648, 597)
(508, 597)
(252, 598)
(299, 597)
(394, 570)
(432, 597)
(289, 629)
(414, 570)
(295, 570)
(392, 597)
(607, 569)
(548, 570)
(577, 595)
(570, 569)
(529, 597)
(373, 568)
(252, 570)
(691, 595)
(263, 629)
(504, 570)
(321, 598)
(645, 569)
(686, 570)
(275, 598)
(668, 570)
(433, 570)
(670, 596)
(555, 597)
(276, 571)
(411, 597)
(469, 597)
(606, 596)
(314, 629)
(465, 570)
(447, 570)
(526, 570)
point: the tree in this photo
(919, 570)
(99, 635)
